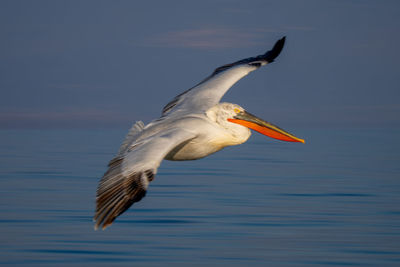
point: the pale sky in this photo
(110, 63)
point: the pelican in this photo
(192, 126)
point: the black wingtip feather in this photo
(268, 57)
(275, 51)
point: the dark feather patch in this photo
(269, 57)
(116, 193)
(150, 175)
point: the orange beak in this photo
(250, 121)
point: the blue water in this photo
(334, 201)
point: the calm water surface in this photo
(334, 201)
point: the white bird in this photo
(192, 126)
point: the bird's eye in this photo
(236, 110)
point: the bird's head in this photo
(231, 115)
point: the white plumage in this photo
(193, 125)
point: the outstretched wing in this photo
(210, 91)
(129, 174)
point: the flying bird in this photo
(192, 126)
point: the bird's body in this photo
(208, 135)
(192, 126)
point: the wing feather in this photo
(210, 91)
(128, 176)
(136, 129)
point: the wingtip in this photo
(275, 51)
(282, 40)
(279, 45)
(101, 224)
(103, 227)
